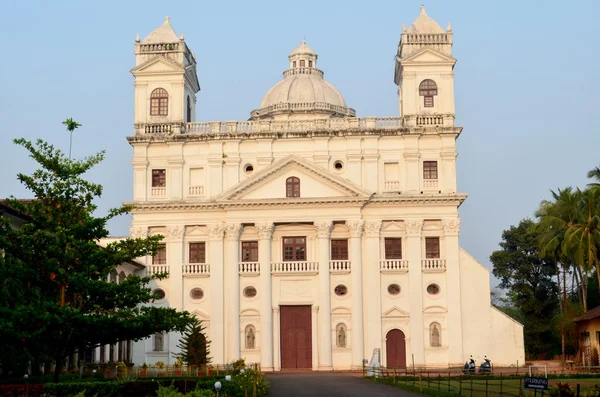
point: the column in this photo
(268, 324)
(358, 352)
(324, 244)
(372, 286)
(315, 337)
(415, 281)
(217, 321)
(454, 322)
(276, 336)
(174, 245)
(232, 290)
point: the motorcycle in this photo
(486, 366)
(469, 367)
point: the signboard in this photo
(536, 383)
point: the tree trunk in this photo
(562, 327)
(60, 362)
(577, 286)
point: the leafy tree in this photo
(55, 297)
(532, 292)
(193, 345)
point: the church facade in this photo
(307, 237)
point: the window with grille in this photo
(292, 187)
(430, 170)
(159, 102)
(393, 248)
(159, 178)
(428, 89)
(161, 255)
(249, 251)
(432, 247)
(339, 250)
(198, 252)
(294, 248)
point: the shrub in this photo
(200, 393)
(561, 390)
(170, 391)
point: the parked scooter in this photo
(469, 368)
(486, 366)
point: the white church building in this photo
(306, 237)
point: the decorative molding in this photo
(215, 231)
(264, 230)
(175, 232)
(315, 309)
(138, 232)
(355, 228)
(373, 228)
(413, 227)
(276, 310)
(323, 229)
(232, 231)
(451, 226)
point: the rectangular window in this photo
(159, 178)
(430, 170)
(161, 255)
(432, 247)
(302, 63)
(249, 251)
(393, 248)
(428, 101)
(310, 64)
(339, 250)
(159, 106)
(294, 248)
(198, 252)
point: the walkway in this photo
(330, 385)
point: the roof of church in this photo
(163, 34)
(303, 49)
(425, 24)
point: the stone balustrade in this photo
(393, 266)
(249, 268)
(154, 269)
(196, 190)
(299, 267)
(196, 269)
(339, 266)
(161, 47)
(303, 70)
(158, 191)
(433, 265)
(426, 38)
(430, 183)
(391, 186)
(303, 107)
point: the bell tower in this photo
(424, 73)
(166, 82)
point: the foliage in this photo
(238, 364)
(243, 383)
(531, 291)
(55, 297)
(193, 345)
(160, 364)
(170, 391)
(561, 390)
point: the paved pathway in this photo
(329, 385)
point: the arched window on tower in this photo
(114, 276)
(159, 102)
(428, 89)
(250, 337)
(189, 109)
(122, 277)
(340, 335)
(435, 339)
(292, 187)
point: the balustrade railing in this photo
(249, 267)
(196, 190)
(425, 38)
(295, 267)
(161, 47)
(433, 265)
(339, 266)
(430, 183)
(154, 269)
(391, 186)
(303, 70)
(158, 191)
(196, 269)
(393, 265)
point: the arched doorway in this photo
(395, 349)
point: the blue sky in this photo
(526, 84)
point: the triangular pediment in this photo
(158, 64)
(315, 182)
(395, 312)
(428, 55)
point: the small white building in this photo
(306, 237)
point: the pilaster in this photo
(232, 290)
(371, 162)
(217, 320)
(323, 229)
(454, 286)
(448, 174)
(415, 281)
(355, 228)
(413, 176)
(274, 343)
(174, 245)
(372, 286)
(315, 337)
(269, 325)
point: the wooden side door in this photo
(395, 348)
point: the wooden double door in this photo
(296, 337)
(395, 349)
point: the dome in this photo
(425, 24)
(303, 92)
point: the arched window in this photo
(122, 277)
(428, 89)
(159, 102)
(435, 339)
(189, 109)
(292, 187)
(113, 276)
(340, 335)
(250, 337)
